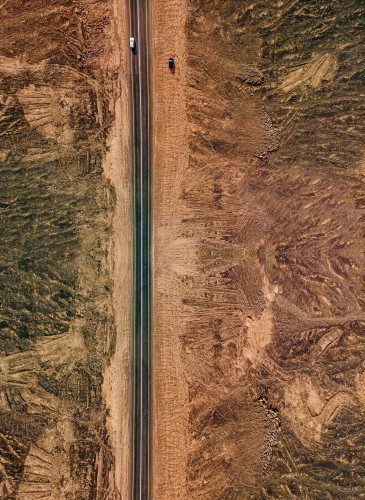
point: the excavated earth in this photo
(259, 284)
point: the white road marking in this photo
(141, 441)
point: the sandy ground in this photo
(117, 167)
(189, 384)
(170, 158)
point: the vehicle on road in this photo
(132, 42)
(171, 63)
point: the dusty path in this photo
(170, 157)
(117, 380)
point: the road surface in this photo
(141, 181)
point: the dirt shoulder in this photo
(170, 159)
(116, 164)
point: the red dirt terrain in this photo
(259, 227)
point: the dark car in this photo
(171, 63)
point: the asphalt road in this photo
(141, 182)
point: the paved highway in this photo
(141, 181)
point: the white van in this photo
(132, 42)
